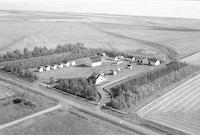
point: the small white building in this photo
(103, 54)
(40, 69)
(93, 61)
(97, 77)
(66, 64)
(47, 68)
(61, 65)
(72, 63)
(133, 60)
(54, 67)
(154, 62)
(116, 58)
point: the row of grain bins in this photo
(56, 66)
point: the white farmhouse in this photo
(97, 77)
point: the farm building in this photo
(54, 67)
(154, 62)
(129, 66)
(61, 65)
(116, 58)
(145, 61)
(93, 61)
(111, 72)
(133, 60)
(66, 64)
(97, 77)
(139, 61)
(40, 69)
(72, 63)
(47, 68)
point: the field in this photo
(63, 122)
(83, 71)
(178, 109)
(29, 103)
(5, 91)
(147, 35)
(193, 59)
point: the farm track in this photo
(94, 111)
(178, 109)
(165, 50)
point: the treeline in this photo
(22, 65)
(48, 60)
(82, 87)
(39, 51)
(132, 91)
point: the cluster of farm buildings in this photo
(96, 60)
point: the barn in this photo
(93, 61)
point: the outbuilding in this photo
(72, 63)
(93, 61)
(40, 69)
(61, 65)
(54, 66)
(145, 61)
(154, 62)
(47, 68)
(66, 64)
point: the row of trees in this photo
(132, 91)
(39, 51)
(26, 64)
(82, 87)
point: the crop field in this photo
(62, 122)
(179, 109)
(83, 71)
(20, 103)
(149, 35)
(193, 59)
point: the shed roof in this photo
(153, 59)
(95, 59)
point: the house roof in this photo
(95, 75)
(95, 59)
(153, 59)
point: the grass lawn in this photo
(81, 71)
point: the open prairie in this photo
(178, 109)
(177, 37)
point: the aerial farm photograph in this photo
(99, 67)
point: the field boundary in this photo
(6, 125)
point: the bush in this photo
(134, 90)
(78, 86)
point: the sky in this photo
(163, 8)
